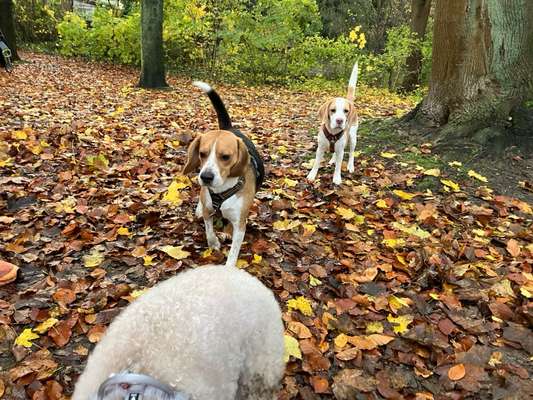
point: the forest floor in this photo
(412, 280)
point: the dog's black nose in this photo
(207, 176)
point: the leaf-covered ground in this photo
(399, 284)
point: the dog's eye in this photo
(333, 110)
(203, 154)
(225, 157)
(345, 111)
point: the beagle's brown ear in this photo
(352, 114)
(323, 112)
(193, 156)
(242, 159)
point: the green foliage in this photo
(262, 41)
(36, 20)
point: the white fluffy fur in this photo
(203, 86)
(212, 333)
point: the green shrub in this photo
(36, 20)
(73, 35)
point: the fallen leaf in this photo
(301, 304)
(26, 337)
(175, 252)
(292, 348)
(457, 372)
(479, 177)
(400, 323)
(513, 248)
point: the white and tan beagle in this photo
(339, 124)
(231, 172)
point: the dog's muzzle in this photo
(135, 387)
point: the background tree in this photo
(7, 25)
(481, 74)
(152, 56)
(419, 20)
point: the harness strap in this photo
(218, 198)
(6, 54)
(332, 137)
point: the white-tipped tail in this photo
(202, 85)
(352, 83)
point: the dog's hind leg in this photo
(353, 142)
(236, 241)
(332, 159)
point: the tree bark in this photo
(152, 56)
(7, 25)
(419, 21)
(481, 71)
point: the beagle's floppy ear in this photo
(193, 157)
(352, 114)
(323, 112)
(242, 159)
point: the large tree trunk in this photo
(152, 57)
(481, 72)
(7, 26)
(419, 21)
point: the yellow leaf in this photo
(148, 261)
(388, 155)
(138, 292)
(455, 164)
(45, 325)
(207, 252)
(393, 242)
(381, 204)
(19, 135)
(396, 303)
(282, 150)
(345, 213)
(314, 281)
(25, 338)
(451, 184)
(403, 195)
(434, 296)
(341, 340)
(309, 229)
(242, 263)
(123, 231)
(292, 348)
(353, 36)
(176, 252)
(290, 182)
(374, 327)
(413, 230)
(526, 293)
(400, 323)
(479, 177)
(301, 304)
(257, 259)
(67, 205)
(93, 259)
(7, 162)
(285, 225)
(173, 195)
(432, 172)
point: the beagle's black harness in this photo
(332, 137)
(5, 54)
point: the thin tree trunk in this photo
(481, 70)
(7, 25)
(419, 20)
(152, 56)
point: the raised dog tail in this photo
(224, 121)
(352, 83)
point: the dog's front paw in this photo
(311, 176)
(213, 243)
(337, 180)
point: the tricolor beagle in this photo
(231, 172)
(339, 124)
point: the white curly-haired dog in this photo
(209, 333)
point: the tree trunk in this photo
(152, 57)
(419, 20)
(7, 26)
(481, 72)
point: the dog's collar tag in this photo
(134, 396)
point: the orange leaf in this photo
(513, 248)
(320, 385)
(457, 372)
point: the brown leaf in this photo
(457, 372)
(61, 332)
(320, 384)
(64, 296)
(95, 333)
(8, 272)
(349, 354)
(301, 331)
(513, 248)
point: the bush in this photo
(36, 21)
